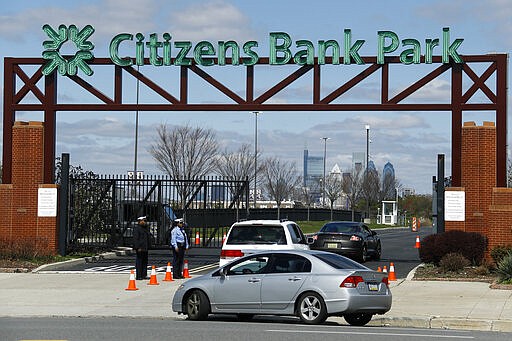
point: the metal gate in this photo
(103, 209)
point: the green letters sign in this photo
(282, 50)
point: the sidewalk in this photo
(425, 304)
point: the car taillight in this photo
(385, 281)
(231, 253)
(351, 282)
(355, 239)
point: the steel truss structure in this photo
(496, 100)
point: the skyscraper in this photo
(313, 171)
(358, 161)
(388, 170)
(388, 181)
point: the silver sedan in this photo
(312, 285)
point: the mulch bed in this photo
(468, 274)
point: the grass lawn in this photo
(314, 226)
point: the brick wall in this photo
(500, 218)
(20, 199)
(488, 209)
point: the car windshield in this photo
(339, 262)
(256, 235)
(339, 228)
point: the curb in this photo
(436, 322)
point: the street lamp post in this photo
(367, 145)
(136, 139)
(323, 182)
(256, 113)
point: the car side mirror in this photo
(310, 240)
(223, 272)
(374, 233)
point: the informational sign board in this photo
(454, 205)
(47, 202)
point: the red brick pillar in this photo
(500, 219)
(25, 228)
(478, 176)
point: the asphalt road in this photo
(397, 247)
(220, 328)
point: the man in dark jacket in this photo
(141, 244)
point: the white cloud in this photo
(211, 20)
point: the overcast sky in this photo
(104, 141)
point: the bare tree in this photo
(370, 188)
(307, 197)
(389, 185)
(333, 188)
(280, 179)
(238, 165)
(185, 153)
(352, 186)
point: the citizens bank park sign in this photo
(166, 52)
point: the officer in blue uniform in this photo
(179, 243)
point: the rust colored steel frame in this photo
(459, 100)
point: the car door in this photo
(369, 237)
(283, 280)
(239, 290)
(298, 239)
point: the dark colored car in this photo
(348, 238)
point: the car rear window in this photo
(256, 235)
(339, 228)
(339, 262)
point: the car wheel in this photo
(358, 319)
(378, 252)
(197, 305)
(245, 317)
(311, 308)
(364, 255)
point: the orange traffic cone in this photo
(186, 274)
(385, 269)
(131, 282)
(379, 269)
(168, 273)
(198, 240)
(391, 275)
(152, 279)
(417, 245)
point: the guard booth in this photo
(389, 212)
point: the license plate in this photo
(332, 245)
(373, 287)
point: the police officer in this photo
(179, 243)
(141, 244)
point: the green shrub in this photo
(504, 269)
(453, 262)
(471, 245)
(499, 252)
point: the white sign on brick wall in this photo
(47, 202)
(454, 205)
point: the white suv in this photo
(252, 236)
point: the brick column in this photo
(478, 176)
(20, 199)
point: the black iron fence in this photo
(104, 209)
